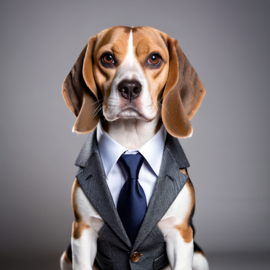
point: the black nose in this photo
(130, 89)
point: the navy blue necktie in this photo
(131, 204)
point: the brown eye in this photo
(154, 60)
(108, 58)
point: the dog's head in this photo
(126, 72)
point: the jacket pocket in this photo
(103, 262)
(160, 262)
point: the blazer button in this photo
(135, 256)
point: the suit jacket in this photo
(114, 247)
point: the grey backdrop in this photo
(228, 44)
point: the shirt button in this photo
(135, 256)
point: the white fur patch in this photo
(179, 252)
(117, 106)
(177, 211)
(89, 214)
(199, 262)
(84, 249)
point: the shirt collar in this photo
(153, 149)
(110, 150)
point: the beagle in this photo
(134, 81)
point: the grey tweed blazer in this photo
(114, 247)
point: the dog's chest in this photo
(174, 216)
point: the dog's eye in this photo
(107, 59)
(154, 60)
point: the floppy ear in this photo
(182, 95)
(80, 92)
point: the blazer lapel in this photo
(94, 184)
(169, 183)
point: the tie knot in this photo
(131, 164)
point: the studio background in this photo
(227, 42)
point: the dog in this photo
(132, 86)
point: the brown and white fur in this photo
(134, 79)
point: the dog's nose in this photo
(130, 89)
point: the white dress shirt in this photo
(110, 151)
